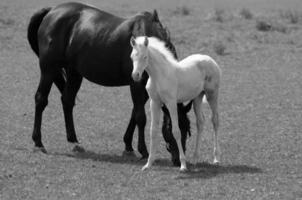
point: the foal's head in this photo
(139, 56)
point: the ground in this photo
(260, 108)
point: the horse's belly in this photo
(105, 75)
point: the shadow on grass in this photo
(200, 170)
(206, 170)
(114, 158)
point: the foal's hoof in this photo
(129, 153)
(78, 149)
(40, 149)
(183, 169)
(146, 167)
(216, 162)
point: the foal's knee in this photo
(176, 134)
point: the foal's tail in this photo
(33, 27)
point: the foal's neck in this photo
(159, 66)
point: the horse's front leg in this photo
(172, 107)
(139, 97)
(155, 108)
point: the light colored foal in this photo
(171, 82)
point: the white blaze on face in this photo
(135, 71)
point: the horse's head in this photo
(184, 125)
(139, 56)
(149, 24)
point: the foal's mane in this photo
(159, 46)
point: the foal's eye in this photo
(145, 57)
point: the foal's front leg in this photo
(155, 108)
(172, 107)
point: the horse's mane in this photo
(160, 46)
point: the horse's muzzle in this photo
(136, 76)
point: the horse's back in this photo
(61, 23)
(85, 38)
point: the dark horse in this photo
(73, 41)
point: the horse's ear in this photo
(132, 41)
(146, 41)
(188, 107)
(155, 16)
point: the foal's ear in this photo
(155, 16)
(132, 41)
(146, 42)
(188, 107)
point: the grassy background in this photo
(260, 108)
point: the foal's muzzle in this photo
(136, 76)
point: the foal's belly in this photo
(188, 94)
(190, 85)
(106, 74)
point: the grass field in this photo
(257, 43)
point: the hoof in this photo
(183, 169)
(78, 149)
(129, 153)
(216, 162)
(145, 167)
(39, 149)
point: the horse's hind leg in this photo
(59, 81)
(71, 89)
(212, 98)
(197, 104)
(172, 107)
(41, 101)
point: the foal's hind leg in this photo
(212, 98)
(197, 104)
(41, 100)
(72, 86)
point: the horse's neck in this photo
(159, 68)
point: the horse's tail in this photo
(33, 27)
